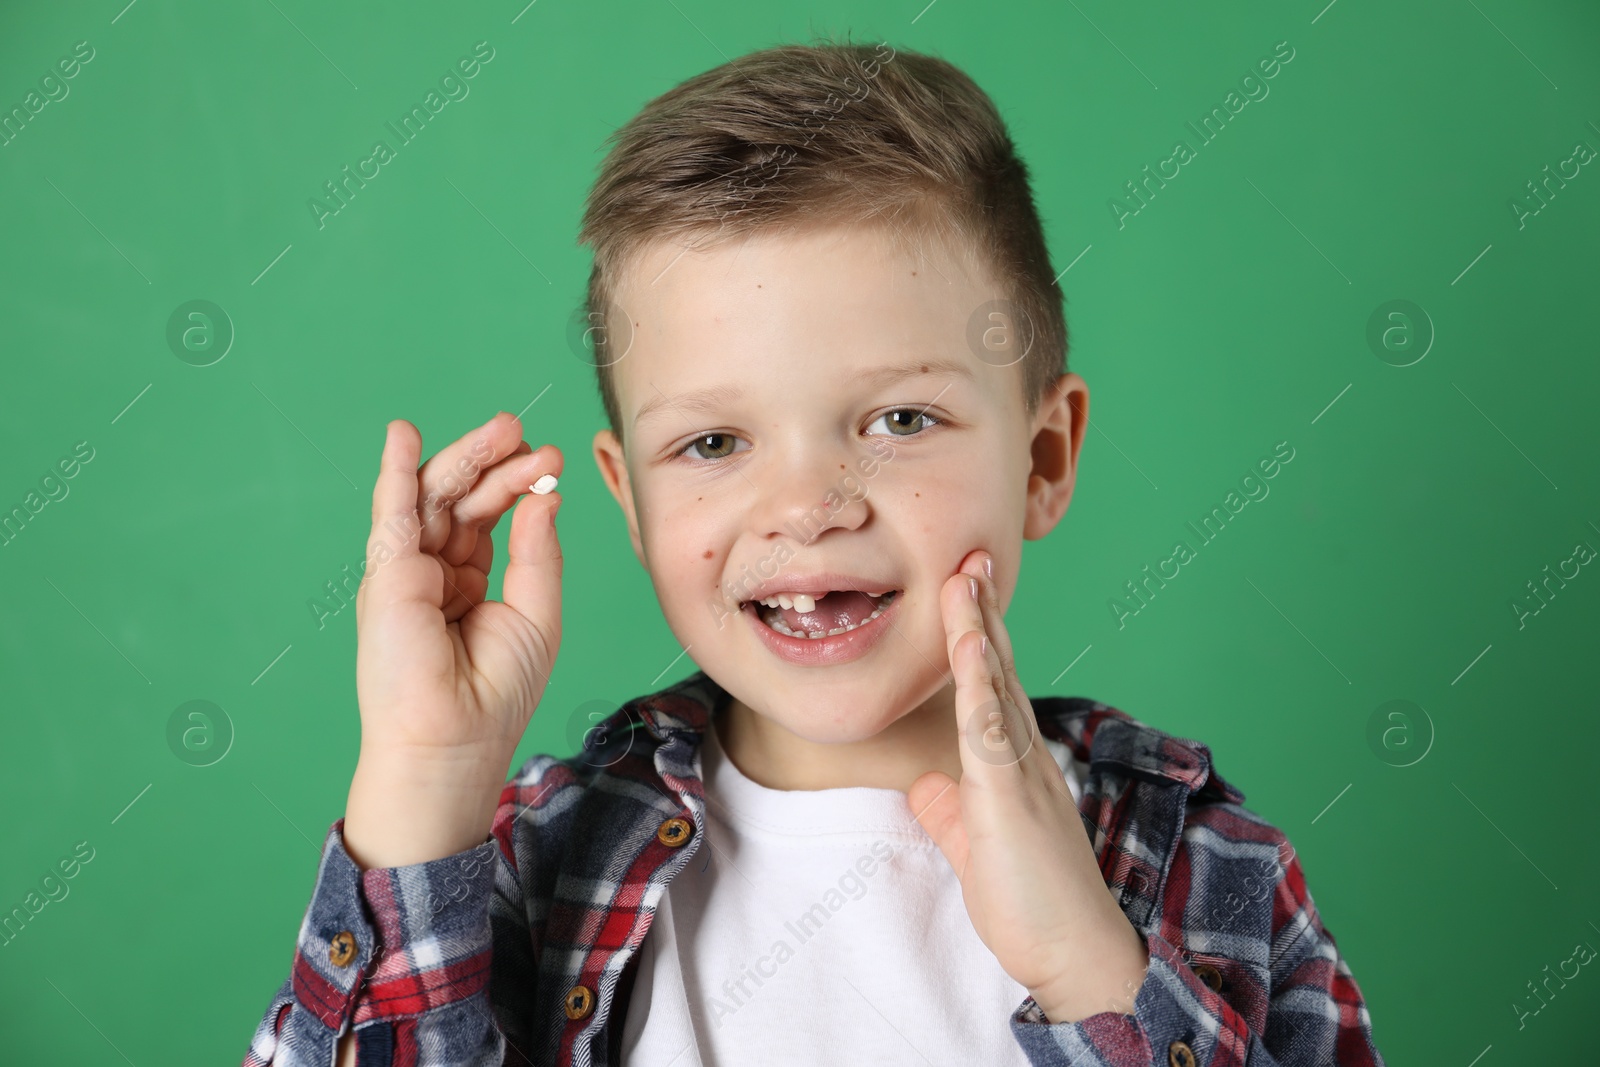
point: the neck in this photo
(770, 755)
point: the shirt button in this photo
(342, 949)
(580, 1001)
(1209, 975)
(1180, 1055)
(674, 831)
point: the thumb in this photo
(532, 585)
(935, 801)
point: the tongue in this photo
(846, 608)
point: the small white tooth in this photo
(771, 601)
(783, 599)
(837, 630)
(804, 602)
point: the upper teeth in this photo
(775, 621)
(799, 601)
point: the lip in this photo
(822, 651)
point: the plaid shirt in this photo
(522, 951)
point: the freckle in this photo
(707, 554)
(924, 370)
(913, 274)
(919, 494)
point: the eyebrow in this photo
(702, 401)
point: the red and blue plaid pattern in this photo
(521, 951)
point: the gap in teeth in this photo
(782, 600)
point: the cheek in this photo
(965, 491)
(938, 513)
(945, 510)
(688, 540)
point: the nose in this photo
(816, 490)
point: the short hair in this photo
(824, 133)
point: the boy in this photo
(833, 364)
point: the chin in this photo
(829, 713)
(829, 728)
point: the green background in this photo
(1229, 314)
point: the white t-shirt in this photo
(817, 926)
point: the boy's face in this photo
(811, 456)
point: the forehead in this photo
(795, 313)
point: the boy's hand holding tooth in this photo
(1012, 831)
(446, 680)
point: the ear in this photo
(1058, 430)
(613, 464)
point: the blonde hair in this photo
(815, 134)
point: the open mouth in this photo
(811, 617)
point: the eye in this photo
(916, 422)
(720, 446)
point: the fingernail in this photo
(988, 566)
(545, 483)
(983, 645)
(972, 584)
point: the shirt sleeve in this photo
(403, 956)
(1315, 1014)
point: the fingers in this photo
(394, 497)
(995, 723)
(534, 564)
(452, 472)
(980, 713)
(464, 589)
(935, 803)
(482, 557)
(993, 618)
(496, 491)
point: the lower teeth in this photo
(773, 619)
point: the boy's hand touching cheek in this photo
(1012, 831)
(447, 680)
